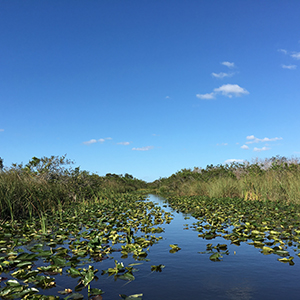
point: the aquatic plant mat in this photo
(79, 251)
(35, 253)
(272, 227)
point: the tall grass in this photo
(22, 195)
(44, 185)
(272, 179)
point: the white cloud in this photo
(232, 160)
(206, 96)
(1, 130)
(254, 139)
(222, 75)
(282, 51)
(290, 67)
(228, 64)
(245, 147)
(167, 97)
(296, 55)
(260, 149)
(92, 141)
(231, 89)
(124, 143)
(143, 148)
(103, 140)
(250, 137)
(223, 144)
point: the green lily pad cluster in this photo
(121, 272)
(273, 227)
(33, 252)
(174, 248)
(215, 251)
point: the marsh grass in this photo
(44, 185)
(23, 196)
(275, 179)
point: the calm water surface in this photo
(247, 274)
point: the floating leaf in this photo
(175, 248)
(215, 257)
(157, 268)
(74, 296)
(132, 297)
(96, 291)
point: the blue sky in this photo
(149, 87)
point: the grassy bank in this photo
(275, 179)
(48, 184)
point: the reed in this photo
(43, 186)
(275, 181)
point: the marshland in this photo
(226, 231)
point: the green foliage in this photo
(1, 164)
(277, 178)
(45, 184)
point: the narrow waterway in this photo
(243, 274)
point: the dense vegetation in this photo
(55, 219)
(65, 240)
(51, 183)
(275, 179)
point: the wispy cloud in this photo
(92, 141)
(245, 147)
(261, 149)
(230, 90)
(1, 130)
(293, 54)
(222, 75)
(296, 55)
(167, 97)
(282, 51)
(206, 96)
(222, 144)
(124, 143)
(147, 148)
(232, 160)
(227, 90)
(290, 67)
(228, 64)
(252, 139)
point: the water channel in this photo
(243, 274)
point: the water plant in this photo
(272, 227)
(35, 252)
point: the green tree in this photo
(1, 164)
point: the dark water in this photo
(243, 274)
(248, 274)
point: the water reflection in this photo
(247, 274)
(242, 274)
